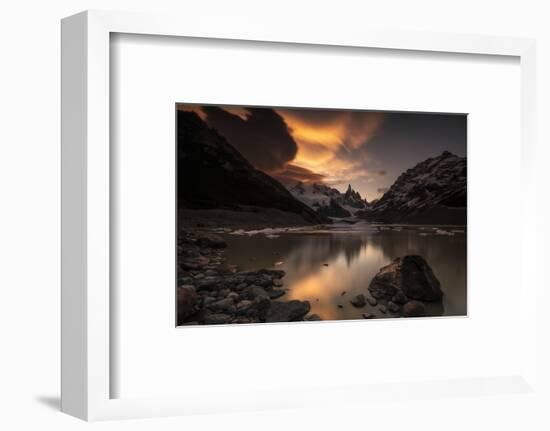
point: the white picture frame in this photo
(86, 312)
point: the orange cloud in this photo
(324, 140)
(192, 108)
(239, 111)
(321, 136)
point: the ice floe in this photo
(270, 232)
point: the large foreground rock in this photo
(410, 275)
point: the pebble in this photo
(372, 301)
(393, 307)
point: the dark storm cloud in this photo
(262, 137)
(368, 149)
(291, 174)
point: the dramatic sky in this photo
(368, 150)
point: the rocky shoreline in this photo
(210, 291)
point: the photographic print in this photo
(300, 214)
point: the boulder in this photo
(393, 307)
(409, 274)
(312, 318)
(399, 298)
(234, 296)
(372, 301)
(414, 309)
(260, 308)
(193, 263)
(273, 273)
(359, 300)
(208, 300)
(277, 282)
(217, 319)
(208, 283)
(226, 305)
(243, 307)
(187, 299)
(276, 293)
(254, 291)
(290, 311)
(210, 240)
(368, 316)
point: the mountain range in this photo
(432, 192)
(212, 174)
(329, 201)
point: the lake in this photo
(329, 266)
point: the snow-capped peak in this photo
(325, 199)
(432, 189)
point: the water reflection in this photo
(328, 268)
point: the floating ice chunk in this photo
(423, 234)
(221, 230)
(443, 232)
(268, 232)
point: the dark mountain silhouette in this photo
(432, 192)
(212, 174)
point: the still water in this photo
(329, 267)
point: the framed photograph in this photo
(281, 204)
(300, 214)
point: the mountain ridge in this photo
(431, 192)
(213, 174)
(329, 201)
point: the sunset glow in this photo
(363, 148)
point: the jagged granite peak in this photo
(213, 174)
(353, 198)
(328, 200)
(431, 192)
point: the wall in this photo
(29, 220)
